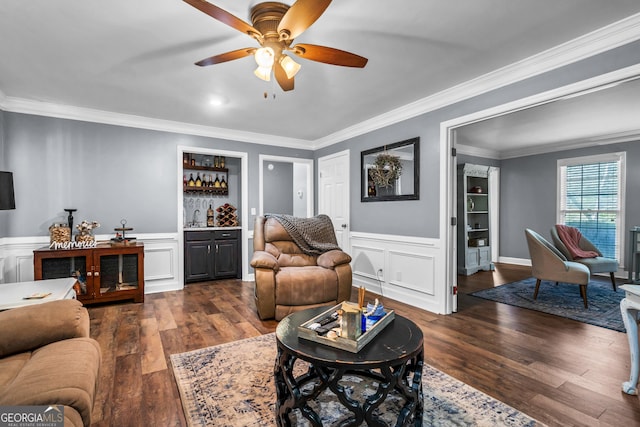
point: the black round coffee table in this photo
(394, 359)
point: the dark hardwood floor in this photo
(561, 372)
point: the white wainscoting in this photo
(412, 268)
(160, 260)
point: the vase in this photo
(386, 191)
(85, 236)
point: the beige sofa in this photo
(47, 358)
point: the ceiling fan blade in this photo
(300, 16)
(329, 55)
(228, 56)
(223, 16)
(285, 82)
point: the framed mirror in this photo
(391, 172)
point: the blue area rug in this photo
(563, 300)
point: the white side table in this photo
(629, 307)
(14, 295)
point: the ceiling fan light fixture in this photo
(290, 66)
(264, 57)
(263, 73)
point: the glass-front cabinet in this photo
(104, 273)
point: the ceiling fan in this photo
(275, 25)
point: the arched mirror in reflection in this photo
(286, 186)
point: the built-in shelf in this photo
(474, 251)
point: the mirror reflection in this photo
(391, 172)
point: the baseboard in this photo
(516, 261)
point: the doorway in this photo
(286, 186)
(448, 144)
(243, 189)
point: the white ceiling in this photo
(598, 116)
(136, 57)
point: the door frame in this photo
(448, 204)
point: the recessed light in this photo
(218, 100)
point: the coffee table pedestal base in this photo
(405, 378)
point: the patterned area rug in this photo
(563, 300)
(232, 385)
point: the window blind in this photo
(590, 200)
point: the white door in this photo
(333, 194)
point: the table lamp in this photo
(7, 197)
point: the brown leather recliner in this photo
(288, 280)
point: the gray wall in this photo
(528, 194)
(106, 172)
(300, 196)
(278, 188)
(103, 170)
(421, 217)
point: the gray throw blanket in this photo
(313, 235)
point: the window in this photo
(591, 191)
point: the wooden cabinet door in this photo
(118, 272)
(57, 264)
(104, 273)
(198, 260)
(226, 258)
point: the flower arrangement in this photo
(86, 226)
(387, 169)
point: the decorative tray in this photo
(343, 343)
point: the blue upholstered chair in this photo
(595, 265)
(548, 263)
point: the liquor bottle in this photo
(216, 183)
(210, 217)
(371, 190)
(223, 183)
(191, 182)
(222, 159)
(198, 181)
(184, 182)
(205, 182)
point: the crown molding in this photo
(571, 145)
(601, 40)
(38, 108)
(614, 35)
(477, 152)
